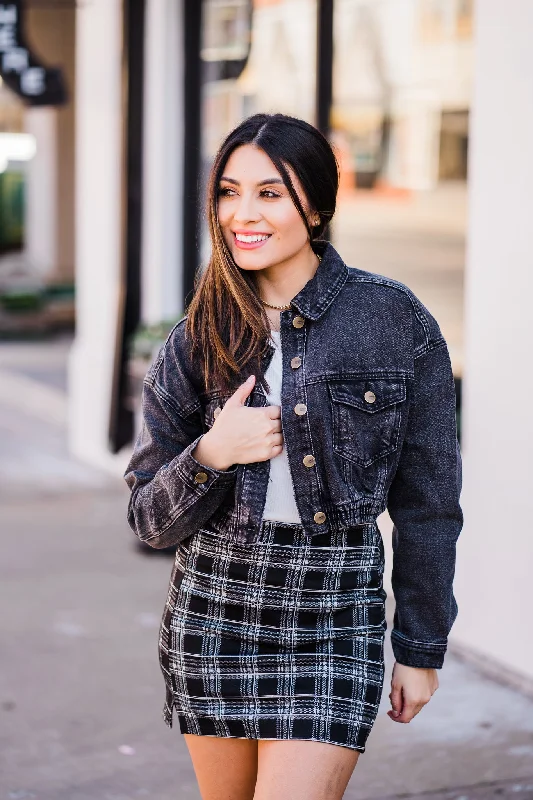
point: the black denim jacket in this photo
(369, 363)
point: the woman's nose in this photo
(246, 209)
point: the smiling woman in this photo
(272, 640)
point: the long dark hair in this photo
(226, 321)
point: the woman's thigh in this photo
(303, 770)
(226, 769)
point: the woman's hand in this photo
(411, 689)
(241, 434)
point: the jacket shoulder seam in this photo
(150, 376)
(382, 280)
(151, 380)
(435, 344)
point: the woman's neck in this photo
(279, 283)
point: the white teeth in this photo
(241, 237)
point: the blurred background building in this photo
(101, 195)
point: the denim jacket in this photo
(368, 363)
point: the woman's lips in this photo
(250, 245)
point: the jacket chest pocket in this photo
(366, 417)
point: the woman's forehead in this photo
(250, 164)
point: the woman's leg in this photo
(303, 770)
(226, 769)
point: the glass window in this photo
(401, 98)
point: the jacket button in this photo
(300, 409)
(370, 397)
(298, 322)
(296, 362)
(319, 517)
(217, 411)
(200, 477)
(309, 461)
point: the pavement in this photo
(80, 688)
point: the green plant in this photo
(26, 299)
(148, 338)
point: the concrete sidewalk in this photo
(80, 687)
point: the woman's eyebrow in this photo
(260, 183)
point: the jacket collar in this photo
(319, 292)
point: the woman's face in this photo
(258, 218)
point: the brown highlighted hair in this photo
(226, 320)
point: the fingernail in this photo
(249, 378)
(395, 713)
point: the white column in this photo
(41, 192)
(495, 550)
(162, 273)
(98, 225)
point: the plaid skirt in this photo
(278, 638)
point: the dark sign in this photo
(21, 71)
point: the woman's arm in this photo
(172, 493)
(423, 503)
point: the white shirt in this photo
(280, 502)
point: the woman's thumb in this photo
(244, 389)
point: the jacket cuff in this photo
(427, 655)
(199, 476)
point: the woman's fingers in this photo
(410, 708)
(396, 700)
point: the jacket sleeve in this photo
(167, 504)
(423, 503)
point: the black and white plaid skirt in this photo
(279, 638)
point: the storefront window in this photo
(401, 97)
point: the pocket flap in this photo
(368, 395)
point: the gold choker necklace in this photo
(287, 307)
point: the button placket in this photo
(302, 435)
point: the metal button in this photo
(300, 409)
(370, 397)
(217, 411)
(319, 517)
(309, 461)
(200, 477)
(298, 322)
(296, 362)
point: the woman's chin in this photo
(252, 261)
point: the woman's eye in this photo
(224, 191)
(269, 193)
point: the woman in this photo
(296, 401)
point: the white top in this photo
(280, 502)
